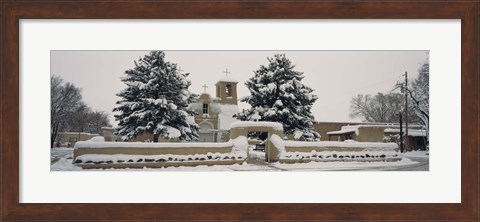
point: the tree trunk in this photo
(155, 138)
(54, 134)
(52, 140)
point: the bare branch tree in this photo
(64, 99)
(378, 108)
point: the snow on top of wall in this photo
(90, 144)
(349, 144)
(275, 125)
(281, 144)
(225, 117)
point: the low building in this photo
(379, 132)
(417, 138)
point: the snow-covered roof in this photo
(354, 128)
(275, 125)
(81, 133)
(227, 79)
(206, 93)
(343, 131)
(411, 132)
(225, 116)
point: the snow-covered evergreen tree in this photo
(155, 101)
(277, 95)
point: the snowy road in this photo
(61, 160)
(422, 165)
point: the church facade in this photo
(214, 114)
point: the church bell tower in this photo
(227, 89)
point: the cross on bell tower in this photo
(226, 72)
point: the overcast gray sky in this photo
(336, 76)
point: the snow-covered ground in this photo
(415, 161)
(58, 153)
(416, 154)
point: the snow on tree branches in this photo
(419, 93)
(277, 95)
(156, 101)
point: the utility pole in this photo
(406, 113)
(401, 133)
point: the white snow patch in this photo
(256, 117)
(242, 124)
(97, 139)
(225, 117)
(190, 119)
(240, 146)
(271, 87)
(173, 132)
(297, 134)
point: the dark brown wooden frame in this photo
(12, 11)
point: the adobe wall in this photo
(141, 138)
(157, 164)
(370, 134)
(150, 151)
(308, 149)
